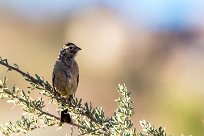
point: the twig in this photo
(41, 111)
(58, 98)
(5, 63)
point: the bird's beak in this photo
(78, 48)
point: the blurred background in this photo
(155, 47)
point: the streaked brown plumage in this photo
(65, 77)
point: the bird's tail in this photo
(65, 117)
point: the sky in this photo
(170, 14)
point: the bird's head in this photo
(69, 50)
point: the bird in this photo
(65, 76)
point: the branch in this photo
(86, 118)
(12, 95)
(4, 62)
(44, 85)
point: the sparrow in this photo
(65, 77)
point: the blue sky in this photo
(153, 13)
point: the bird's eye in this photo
(71, 48)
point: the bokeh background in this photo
(155, 47)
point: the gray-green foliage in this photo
(88, 119)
